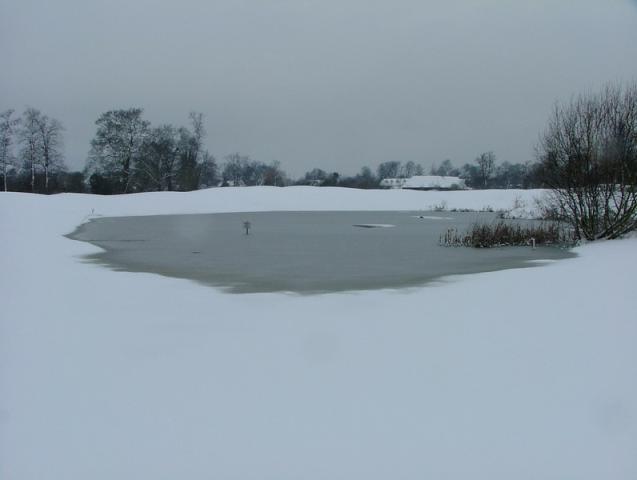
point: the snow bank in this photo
(525, 374)
(255, 199)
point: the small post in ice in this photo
(247, 226)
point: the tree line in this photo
(483, 172)
(127, 154)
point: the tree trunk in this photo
(126, 174)
(46, 166)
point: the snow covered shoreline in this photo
(516, 374)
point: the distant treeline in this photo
(128, 154)
(483, 173)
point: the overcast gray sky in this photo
(337, 84)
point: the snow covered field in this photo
(519, 374)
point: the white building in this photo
(425, 182)
(434, 182)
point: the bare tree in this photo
(446, 168)
(50, 133)
(208, 171)
(236, 170)
(389, 169)
(486, 165)
(588, 157)
(191, 152)
(156, 166)
(29, 137)
(8, 128)
(198, 133)
(409, 169)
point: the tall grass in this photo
(503, 234)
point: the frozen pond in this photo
(304, 252)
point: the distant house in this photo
(434, 182)
(425, 182)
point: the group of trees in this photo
(241, 170)
(31, 152)
(395, 169)
(320, 178)
(482, 173)
(129, 155)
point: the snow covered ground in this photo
(519, 374)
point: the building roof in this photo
(434, 181)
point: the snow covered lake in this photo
(304, 252)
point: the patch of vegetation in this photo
(503, 234)
(444, 207)
(588, 159)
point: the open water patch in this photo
(302, 252)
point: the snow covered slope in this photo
(520, 374)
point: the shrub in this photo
(588, 157)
